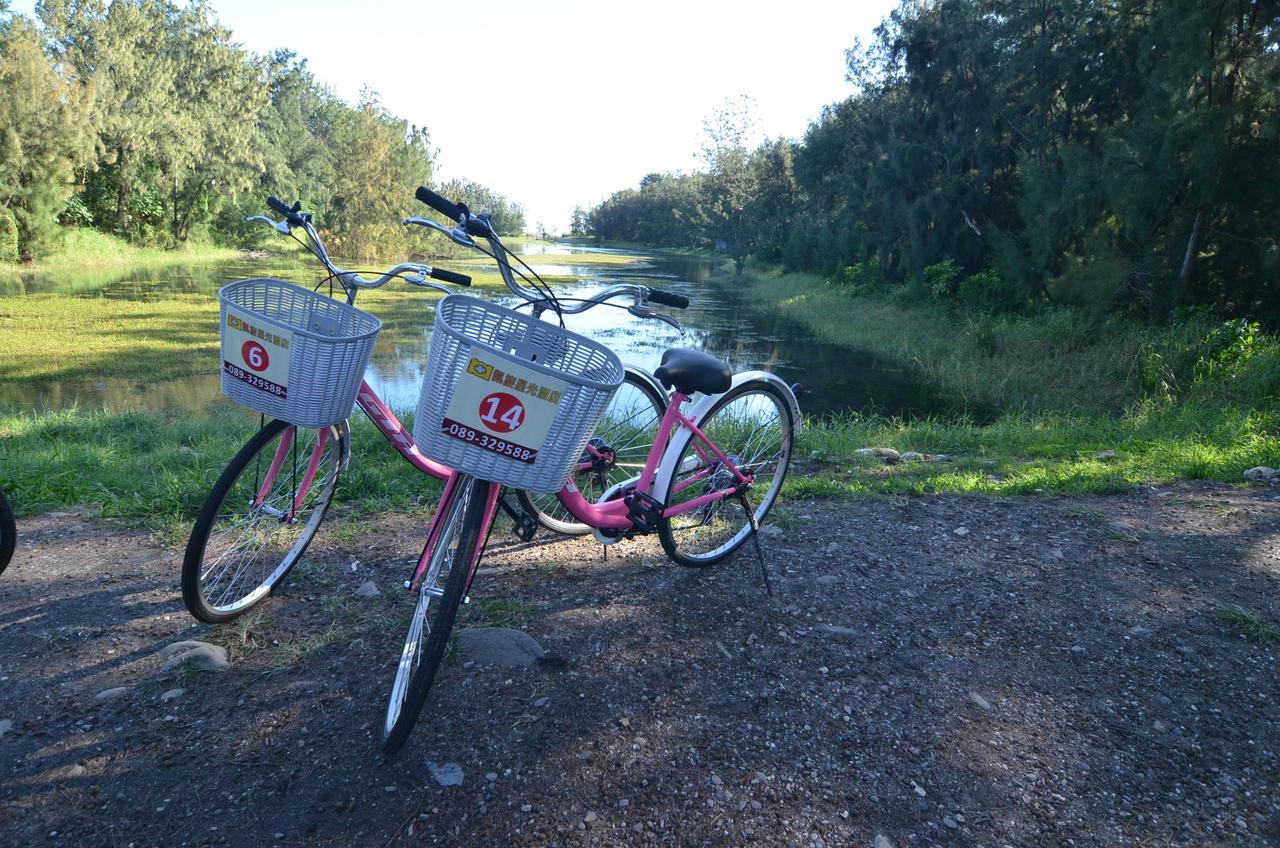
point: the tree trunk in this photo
(122, 193)
(1193, 253)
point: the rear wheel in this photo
(254, 527)
(752, 425)
(439, 595)
(625, 433)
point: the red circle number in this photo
(501, 412)
(255, 356)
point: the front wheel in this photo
(439, 594)
(260, 517)
(752, 425)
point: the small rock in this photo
(6, 725)
(979, 700)
(771, 531)
(1077, 649)
(446, 774)
(882, 841)
(835, 631)
(390, 790)
(368, 589)
(165, 697)
(961, 531)
(590, 817)
(1159, 726)
(541, 702)
(76, 771)
(1263, 474)
(919, 790)
(111, 694)
(833, 548)
(826, 580)
(201, 655)
(491, 777)
(949, 823)
(526, 808)
(912, 456)
(502, 646)
(1139, 630)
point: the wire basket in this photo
(291, 353)
(508, 397)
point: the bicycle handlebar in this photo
(469, 225)
(414, 273)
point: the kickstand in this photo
(755, 537)
(604, 553)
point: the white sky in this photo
(562, 102)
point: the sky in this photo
(560, 103)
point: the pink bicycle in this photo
(714, 463)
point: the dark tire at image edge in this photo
(8, 532)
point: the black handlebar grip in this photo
(450, 277)
(290, 213)
(667, 298)
(278, 205)
(450, 210)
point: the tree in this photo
(46, 133)
(731, 182)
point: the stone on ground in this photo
(500, 646)
(446, 774)
(201, 655)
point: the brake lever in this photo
(281, 227)
(642, 310)
(457, 235)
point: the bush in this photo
(941, 279)
(8, 236)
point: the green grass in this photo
(1042, 454)
(1250, 625)
(155, 470)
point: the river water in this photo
(720, 319)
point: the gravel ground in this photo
(931, 671)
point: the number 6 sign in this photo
(256, 353)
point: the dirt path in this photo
(1054, 671)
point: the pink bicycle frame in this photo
(611, 515)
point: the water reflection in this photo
(720, 320)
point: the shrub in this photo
(941, 279)
(8, 236)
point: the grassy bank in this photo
(1085, 406)
(1057, 361)
(87, 250)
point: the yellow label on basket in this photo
(504, 408)
(256, 353)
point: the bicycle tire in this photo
(681, 534)
(216, 597)
(416, 671)
(8, 532)
(638, 406)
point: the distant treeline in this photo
(1122, 155)
(143, 118)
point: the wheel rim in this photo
(432, 587)
(629, 427)
(752, 429)
(251, 545)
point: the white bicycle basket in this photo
(291, 353)
(508, 397)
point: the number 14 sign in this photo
(504, 408)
